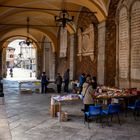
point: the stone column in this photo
(72, 56)
(52, 66)
(4, 68)
(44, 57)
(1, 63)
(117, 52)
(101, 53)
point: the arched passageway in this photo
(97, 37)
(89, 43)
(20, 60)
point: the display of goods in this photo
(114, 92)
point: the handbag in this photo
(85, 92)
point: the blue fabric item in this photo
(82, 79)
(135, 106)
(94, 111)
(131, 107)
(112, 109)
(43, 79)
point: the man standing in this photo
(66, 80)
(11, 72)
(44, 82)
(58, 82)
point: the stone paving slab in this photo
(5, 133)
(29, 119)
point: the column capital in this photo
(102, 24)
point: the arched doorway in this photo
(19, 60)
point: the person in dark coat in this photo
(66, 80)
(44, 82)
(94, 82)
(58, 82)
(11, 72)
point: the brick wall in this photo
(86, 65)
(110, 49)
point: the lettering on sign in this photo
(123, 43)
(135, 41)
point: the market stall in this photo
(56, 105)
(106, 95)
(28, 86)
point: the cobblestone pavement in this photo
(27, 117)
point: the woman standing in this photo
(88, 94)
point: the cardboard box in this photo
(54, 109)
(26, 91)
(62, 117)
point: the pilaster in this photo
(72, 56)
(101, 53)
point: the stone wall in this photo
(101, 53)
(128, 50)
(135, 45)
(85, 63)
(40, 63)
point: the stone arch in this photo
(49, 60)
(93, 6)
(22, 32)
(9, 36)
(70, 27)
(4, 45)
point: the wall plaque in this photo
(123, 43)
(86, 42)
(135, 41)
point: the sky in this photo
(28, 51)
(15, 44)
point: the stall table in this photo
(125, 99)
(28, 86)
(57, 101)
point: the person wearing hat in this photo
(88, 94)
